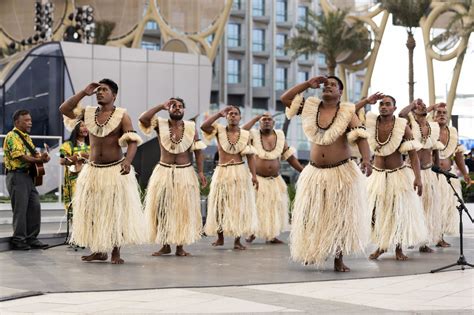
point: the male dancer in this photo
(231, 201)
(330, 214)
(172, 203)
(427, 133)
(106, 206)
(451, 149)
(397, 216)
(272, 194)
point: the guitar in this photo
(37, 170)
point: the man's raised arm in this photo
(67, 108)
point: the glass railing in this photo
(51, 189)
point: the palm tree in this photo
(331, 35)
(407, 13)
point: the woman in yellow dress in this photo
(74, 153)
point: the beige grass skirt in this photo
(431, 200)
(231, 203)
(330, 213)
(397, 209)
(449, 212)
(272, 207)
(107, 209)
(173, 205)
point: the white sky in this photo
(391, 69)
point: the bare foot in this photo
(181, 252)
(275, 241)
(250, 239)
(166, 249)
(220, 239)
(95, 256)
(115, 259)
(443, 243)
(238, 245)
(339, 264)
(399, 255)
(376, 254)
(425, 249)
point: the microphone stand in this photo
(461, 207)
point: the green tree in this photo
(103, 29)
(407, 13)
(331, 35)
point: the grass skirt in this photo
(431, 204)
(272, 207)
(173, 206)
(107, 209)
(231, 202)
(330, 213)
(449, 212)
(397, 210)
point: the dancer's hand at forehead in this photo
(225, 111)
(314, 82)
(91, 88)
(372, 99)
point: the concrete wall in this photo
(145, 77)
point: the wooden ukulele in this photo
(37, 170)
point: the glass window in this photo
(233, 35)
(303, 57)
(237, 5)
(258, 40)
(281, 78)
(303, 16)
(233, 71)
(321, 60)
(280, 41)
(281, 10)
(151, 25)
(258, 75)
(258, 7)
(303, 76)
(151, 46)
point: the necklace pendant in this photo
(173, 147)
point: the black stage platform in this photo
(61, 270)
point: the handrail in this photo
(60, 141)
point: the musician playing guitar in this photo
(74, 153)
(20, 158)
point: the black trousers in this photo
(26, 207)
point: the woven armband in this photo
(296, 106)
(356, 133)
(70, 123)
(148, 130)
(198, 145)
(408, 145)
(288, 153)
(129, 136)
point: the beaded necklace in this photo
(332, 121)
(424, 138)
(176, 142)
(232, 144)
(447, 141)
(381, 144)
(106, 121)
(274, 146)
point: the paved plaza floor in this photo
(261, 279)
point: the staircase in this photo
(53, 223)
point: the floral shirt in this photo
(14, 148)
